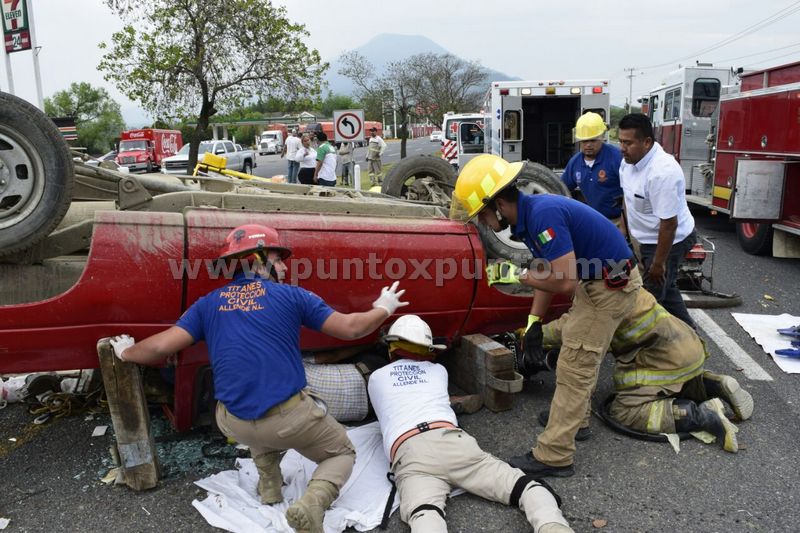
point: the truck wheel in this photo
(149, 166)
(36, 175)
(422, 177)
(533, 179)
(755, 238)
(248, 167)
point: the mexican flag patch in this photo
(546, 236)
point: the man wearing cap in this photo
(595, 169)
(579, 253)
(252, 329)
(429, 454)
(375, 148)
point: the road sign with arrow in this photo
(348, 125)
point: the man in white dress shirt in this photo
(656, 209)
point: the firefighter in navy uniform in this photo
(580, 252)
(252, 328)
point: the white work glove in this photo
(389, 300)
(121, 343)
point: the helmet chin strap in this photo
(261, 257)
(504, 223)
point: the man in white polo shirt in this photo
(656, 209)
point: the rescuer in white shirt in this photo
(429, 454)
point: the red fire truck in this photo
(144, 149)
(739, 146)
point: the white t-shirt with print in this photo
(405, 393)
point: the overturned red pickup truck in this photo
(134, 264)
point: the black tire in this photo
(248, 167)
(754, 238)
(36, 193)
(533, 179)
(420, 166)
(149, 168)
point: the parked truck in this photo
(271, 140)
(738, 141)
(241, 160)
(145, 149)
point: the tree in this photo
(97, 116)
(397, 88)
(448, 83)
(191, 58)
(336, 101)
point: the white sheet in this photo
(233, 503)
(763, 329)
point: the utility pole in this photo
(630, 76)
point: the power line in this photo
(757, 53)
(775, 17)
(773, 58)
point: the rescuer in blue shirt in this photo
(595, 169)
(658, 371)
(252, 329)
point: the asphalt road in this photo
(271, 165)
(49, 476)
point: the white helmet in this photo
(413, 329)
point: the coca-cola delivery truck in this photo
(143, 150)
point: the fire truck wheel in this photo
(36, 175)
(400, 180)
(754, 238)
(149, 166)
(533, 179)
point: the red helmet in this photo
(250, 238)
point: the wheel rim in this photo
(504, 236)
(21, 177)
(424, 188)
(749, 229)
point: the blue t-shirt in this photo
(252, 328)
(552, 226)
(600, 182)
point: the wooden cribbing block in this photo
(136, 449)
(483, 366)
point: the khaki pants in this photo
(428, 465)
(586, 334)
(375, 169)
(305, 427)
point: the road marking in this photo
(740, 358)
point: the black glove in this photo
(533, 356)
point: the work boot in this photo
(528, 464)
(471, 403)
(270, 479)
(582, 434)
(555, 527)
(708, 416)
(306, 514)
(728, 389)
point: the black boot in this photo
(708, 416)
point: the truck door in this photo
(470, 139)
(511, 128)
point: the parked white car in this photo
(241, 160)
(436, 136)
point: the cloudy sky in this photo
(532, 39)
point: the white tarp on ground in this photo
(233, 503)
(764, 330)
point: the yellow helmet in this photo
(480, 181)
(590, 126)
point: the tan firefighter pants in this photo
(586, 334)
(305, 427)
(429, 465)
